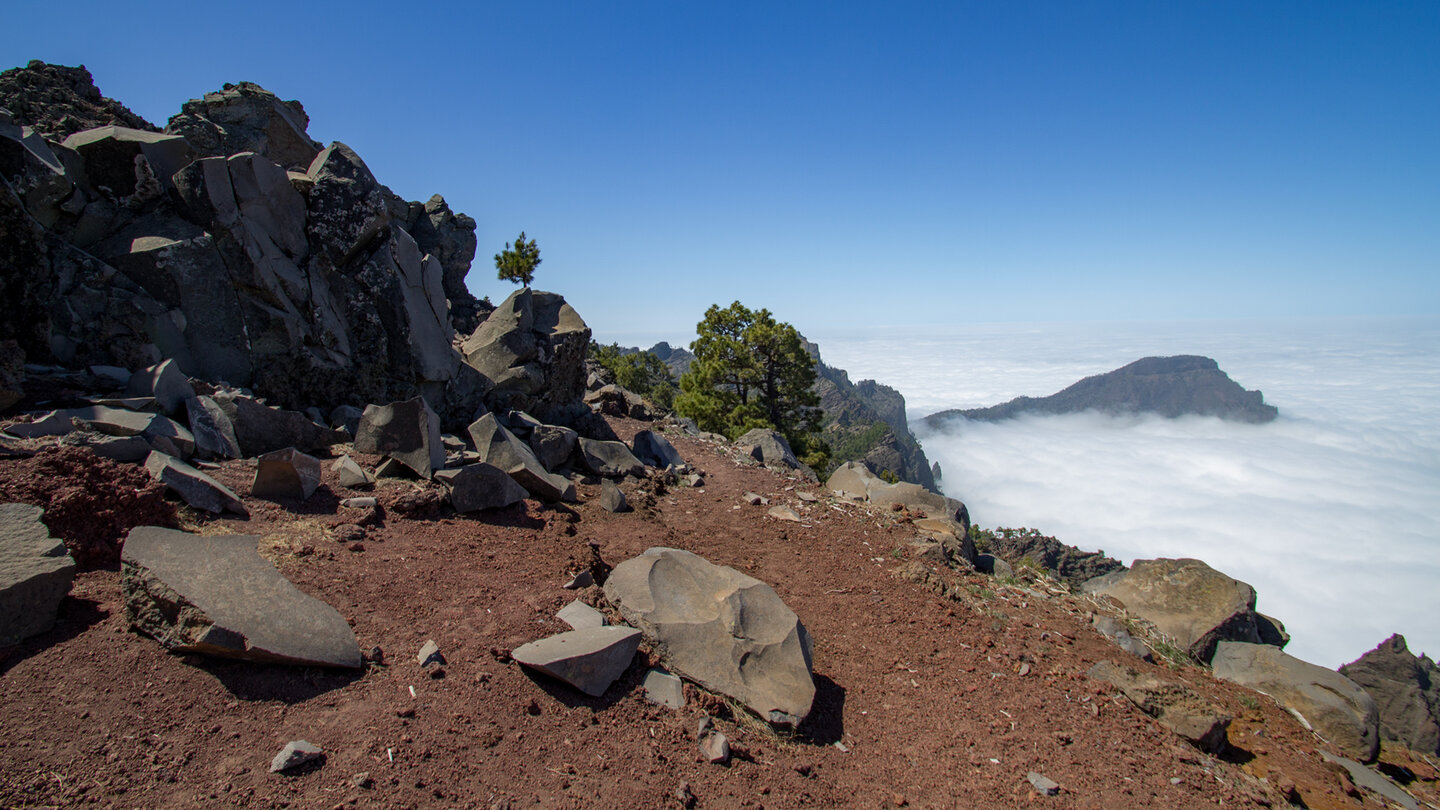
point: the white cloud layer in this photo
(1332, 512)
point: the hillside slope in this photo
(923, 701)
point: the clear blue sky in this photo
(859, 164)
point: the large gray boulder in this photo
(1329, 702)
(722, 629)
(611, 459)
(855, 481)
(286, 474)
(214, 435)
(589, 660)
(553, 445)
(408, 432)
(216, 595)
(1406, 689)
(35, 573)
(480, 486)
(1186, 600)
(1174, 705)
(532, 347)
(768, 448)
(193, 486)
(655, 450)
(496, 445)
(260, 428)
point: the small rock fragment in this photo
(351, 475)
(1042, 784)
(584, 579)
(589, 660)
(287, 473)
(611, 498)
(784, 513)
(360, 503)
(715, 748)
(579, 616)
(294, 754)
(664, 689)
(430, 654)
(754, 499)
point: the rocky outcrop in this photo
(1169, 386)
(59, 101)
(532, 348)
(866, 422)
(854, 480)
(1329, 702)
(1186, 600)
(1406, 690)
(1066, 563)
(236, 247)
(217, 596)
(722, 629)
(35, 573)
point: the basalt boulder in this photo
(35, 573)
(532, 347)
(722, 629)
(1406, 690)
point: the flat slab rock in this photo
(589, 660)
(1174, 705)
(722, 629)
(35, 573)
(216, 595)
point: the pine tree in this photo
(518, 265)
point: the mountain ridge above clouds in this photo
(1181, 385)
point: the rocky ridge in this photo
(1169, 386)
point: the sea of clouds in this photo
(1332, 511)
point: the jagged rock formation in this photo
(1169, 386)
(59, 101)
(1066, 563)
(865, 422)
(1407, 691)
(245, 252)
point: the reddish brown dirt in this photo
(923, 694)
(89, 502)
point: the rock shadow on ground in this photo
(76, 615)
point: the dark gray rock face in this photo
(1065, 562)
(408, 432)
(589, 660)
(655, 450)
(553, 445)
(193, 486)
(1331, 703)
(611, 459)
(218, 596)
(246, 117)
(1169, 386)
(58, 101)
(480, 486)
(260, 428)
(35, 573)
(769, 448)
(313, 287)
(532, 347)
(1406, 689)
(498, 446)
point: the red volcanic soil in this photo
(921, 699)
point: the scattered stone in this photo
(430, 654)
(35, 573)
(1042, 784)
(216, 595)
(1175, 706)
(685, 796)
(580, 616)
(362, 780)
(755, 499)
(655, 450)
(589, 660)
(194, 487)
(584, 579)
(783, 512)
(722, 629)
(407, 431)
(286, 474)
(809, 497)
(497, 446)
(420, 504)
(611, 498)
(394, 468)
(480, 486)
(610, 459)
(294, 754)
(695, 481)
(768, 448)
(350, 474)
(368, 502)
(116, 448)
(553, 445)
(213, 432)
(1186, 600)
(165, 382)
(1369, 779)
(715, 748)
(664, 689)
(260, 428)
(1331, 703)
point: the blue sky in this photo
(860, 164)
